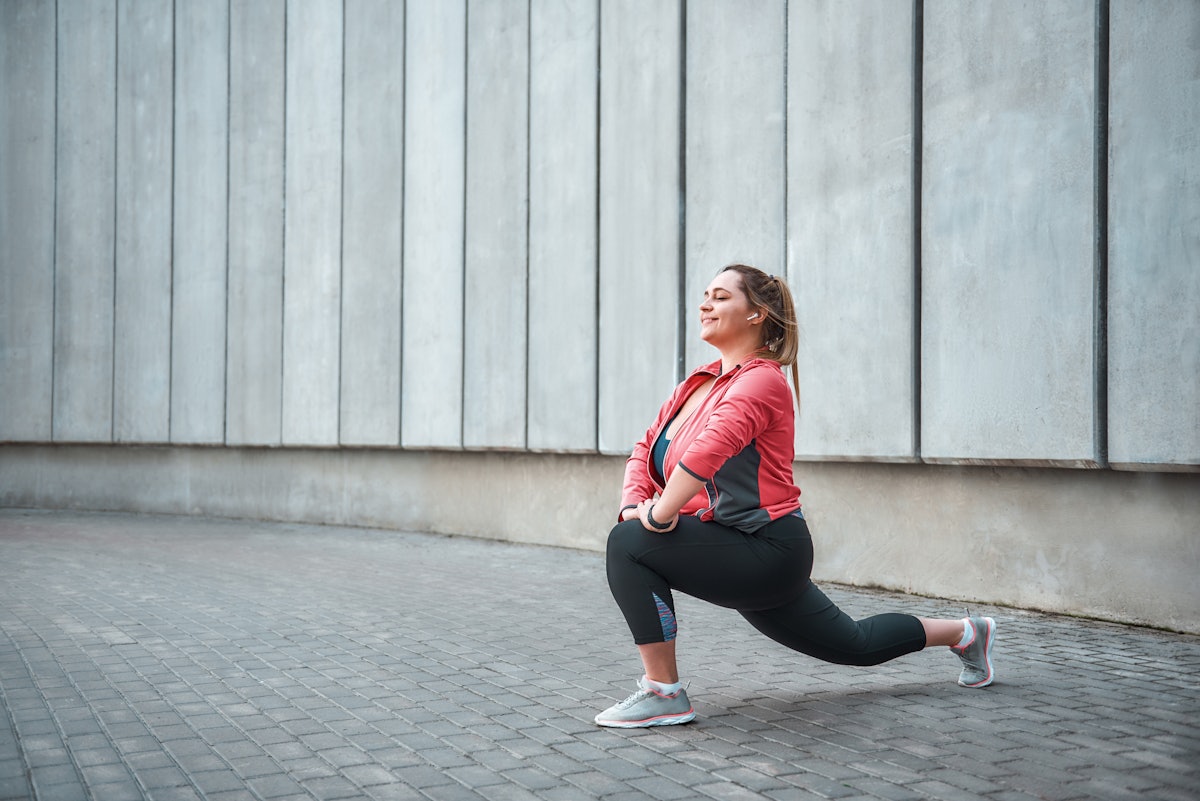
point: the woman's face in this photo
(726, 316)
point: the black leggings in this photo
(764, 576)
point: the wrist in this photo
(656, 524)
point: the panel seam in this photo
(918, 121)
(1100, 238)
(228, 204)
(171, 272)
(403, 225)
(462, 240)
(681, 265)
(597, 261)
(341, 358)
(54, 244)
(528, 204)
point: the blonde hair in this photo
(781, 337)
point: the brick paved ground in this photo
(175, 658)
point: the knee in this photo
(624, 537)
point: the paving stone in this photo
(128, 790)
(395, 792)
(330, 788)
(159, 778)
(565, 792)
(217, 780)
(61, 792)
(501, 792)
(727, 791)
(150, 759)
(421, 776)
(275, 786)
(312, 767)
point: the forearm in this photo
(681, 487)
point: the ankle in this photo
(662, 687)
(968, 634)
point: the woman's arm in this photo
(681, 488)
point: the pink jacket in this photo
(739, 441)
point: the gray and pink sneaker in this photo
(976, 655)
(647, 707)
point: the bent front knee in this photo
(626, 538)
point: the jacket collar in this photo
(713, 369)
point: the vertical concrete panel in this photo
(201, 214)
(850, 225)
(1007, 232)
(26, 219)
(85, 163)
(495, 335)
(312, 227)
(142, 324)
(564, 38)
(434, 166)
(736, 170)
(253, 402)
(640, 51)
(372, 211)
(1154, 234)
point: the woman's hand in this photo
(658, 526)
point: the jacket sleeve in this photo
(751, 404)
(638, 485)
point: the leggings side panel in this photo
(639, 591)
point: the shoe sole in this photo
(987, 657)
(661, 720)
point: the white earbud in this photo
(751, 317)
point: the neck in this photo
(732, 357)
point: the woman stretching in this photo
(726, 525)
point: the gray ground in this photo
(181, 658)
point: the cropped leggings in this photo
(764, 576)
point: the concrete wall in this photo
(853, 213)
(640, 98)
(1008, 312)
(484, 225)
(254, 295)
(1154, 236)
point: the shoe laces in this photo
(640, 694)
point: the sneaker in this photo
(647, 707)
(976, 655)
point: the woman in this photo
(726, 526)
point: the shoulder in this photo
(761, 382)
(762, 373)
